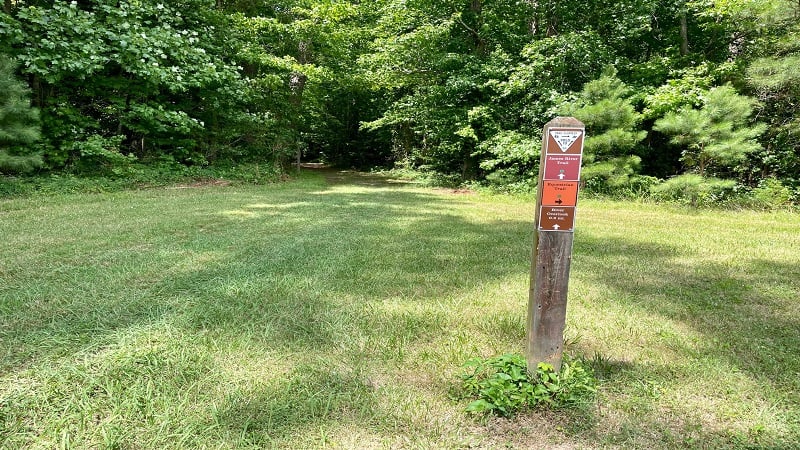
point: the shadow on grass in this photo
(296, 403)
(363, 280)
(362, 271)
(279, 259)
(303, 278)
(731, 308)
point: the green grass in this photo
(309, 315)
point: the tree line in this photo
(690, 99)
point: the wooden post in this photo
(299, 157)
(559, 175)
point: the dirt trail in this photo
(355, 178)
(352, 177)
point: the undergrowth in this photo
(136, 177)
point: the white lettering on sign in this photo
(565, 138)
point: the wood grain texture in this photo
(550, 264)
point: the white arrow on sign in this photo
(555, 227)
(565, 138)
(561, 176)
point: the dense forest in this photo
(689, 100)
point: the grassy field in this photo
(336, 313)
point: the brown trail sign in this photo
(559, 175)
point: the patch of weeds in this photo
(502, 385)
(771, 194)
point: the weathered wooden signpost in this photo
(559, 175)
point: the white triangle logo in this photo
(565, 138)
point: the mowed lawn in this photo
(337, 314)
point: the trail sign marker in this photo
(559, 175)
(552, 218)
(565, 167)
(565, 139)
(559, 193)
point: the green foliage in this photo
(770, 194)
(561, 63)
(19, 122)
(716, 136)
(686, 90)
(611, 121)
(549, 69)
(617, 177)
(694, 189)
(12, 162)
(775, 81)
(150, 72)
(155, 42)
(99, 154)
(509, 157)
(774, 74)
(459, 88)
(612, 130)
(502, 385)
(131, 175)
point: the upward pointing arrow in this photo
(561, 176)
(555, 227)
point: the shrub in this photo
(770, 194)
(101, 155)
(510, 157)
(694, 189)
(19, 123)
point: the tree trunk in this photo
(297, 85)
(468, 168)
(477, 7)
(544, 18)
(684, 34)
(551, 19)
(702, 162)
(533, 24)
(7, 6)
(38, 92)
(480, 43)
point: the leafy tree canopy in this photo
(459, 87)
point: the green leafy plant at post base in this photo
(503, 386)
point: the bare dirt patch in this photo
(353, 177)
(201, 184)
(541, 429)
(460, 191)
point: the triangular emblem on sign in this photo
(565, 138)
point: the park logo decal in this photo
(565, 138)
